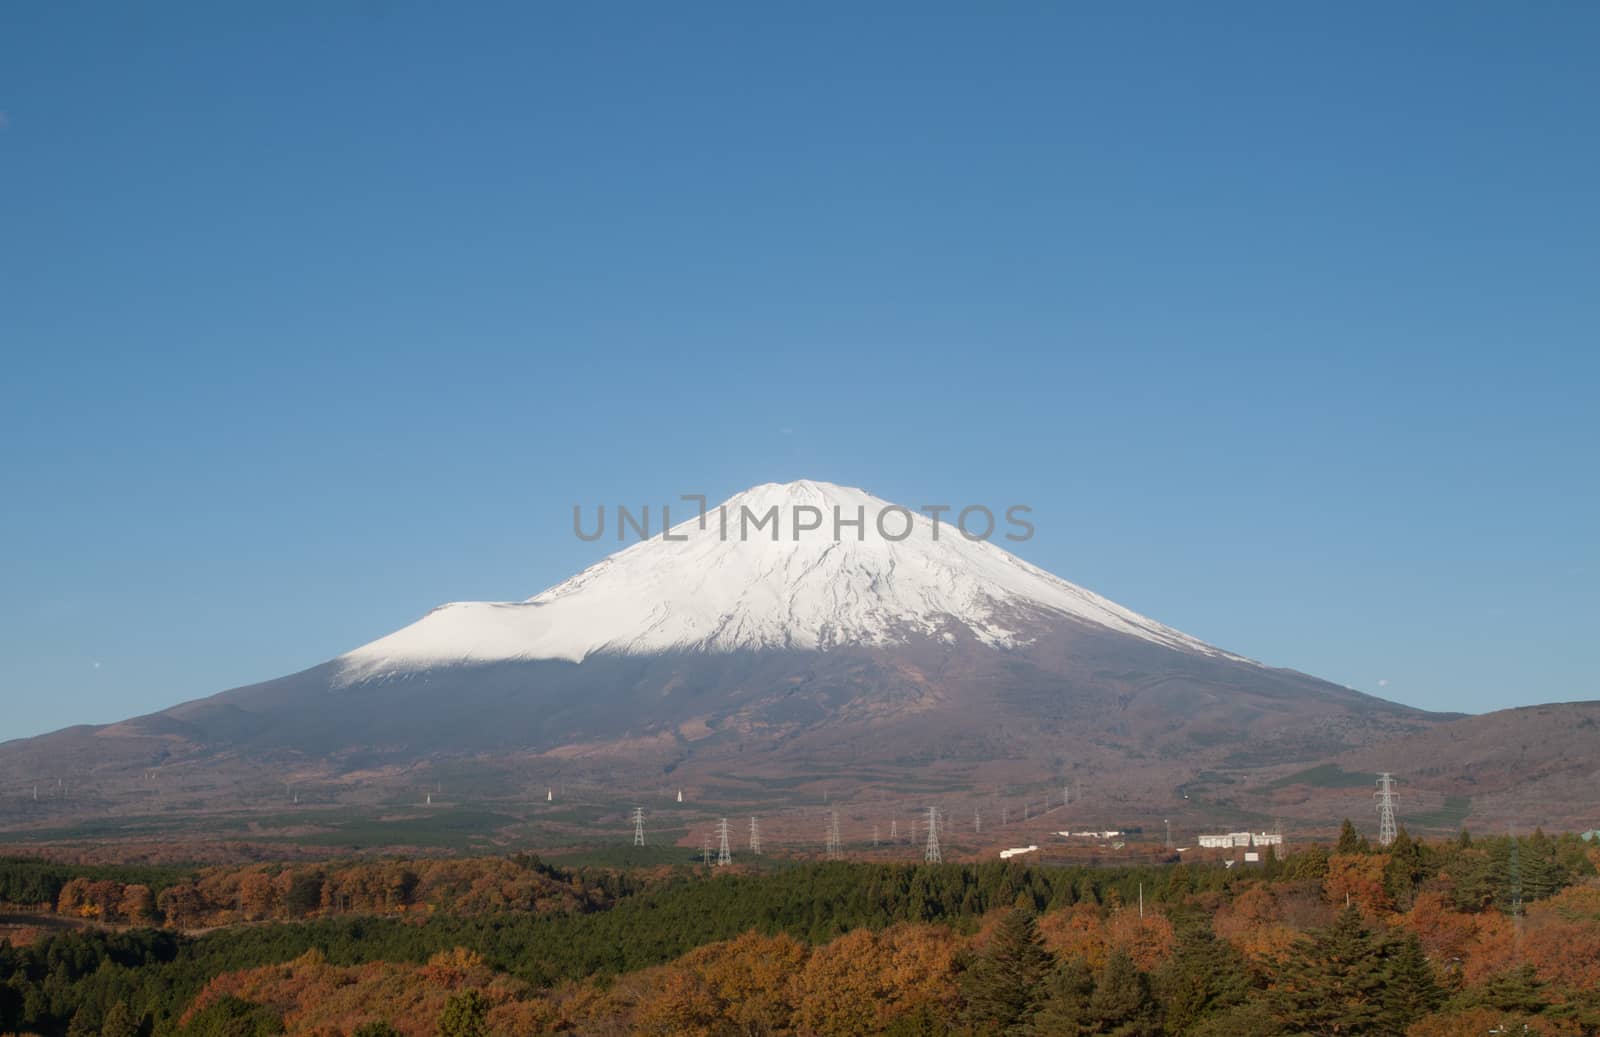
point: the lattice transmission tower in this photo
(835, 846)
(724, 855)
(638, 826)
(1387, 798)
(931, 853)
(755, 835)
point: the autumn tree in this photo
(137, 904)
(182, 905)
(304, 896)
(257, 895)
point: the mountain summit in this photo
(782, 566)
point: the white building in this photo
(1229, 840)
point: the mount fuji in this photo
(720, 583)
(798, 634)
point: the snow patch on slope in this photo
(715, 594)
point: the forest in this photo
(1422, 938)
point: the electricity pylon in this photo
(638, 826)
(1387, 797)
(724, 856)
(834, 845)
(931, 854)
(755, 835)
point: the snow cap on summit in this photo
(834, 566)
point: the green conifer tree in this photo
(1121, 1004)
(1204, 975)
(1004, 986)
(119, 1021)
(1411, 990)
(1334, 983)
(465, 1014)
(1350, 841)
(1064, 1009)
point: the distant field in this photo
(1327, 776)
(1451, 815)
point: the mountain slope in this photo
(764, 659)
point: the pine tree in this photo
(1204, 975)
(1406, 868)
(1412, 990)
(1064, 1010)
(119, 1021)
(377, 1028)
(1002, 989)
(1515, 990)
(465, 1014)
(1349, 840)
(1121, 1004)
(1334, 983)
(84, 1022)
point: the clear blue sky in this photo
(1282, 317)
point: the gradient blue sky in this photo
(1282, 317)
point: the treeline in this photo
(218, 896)
(31, 881)
(156, 974)
(1498, 871)
(611, 924)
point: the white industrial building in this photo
(1229, 840)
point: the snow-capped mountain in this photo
(889, 654)
(869, 574)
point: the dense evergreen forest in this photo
(1422, 938)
